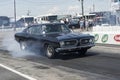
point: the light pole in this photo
(15, 15)
(28, 13)
(82, 7)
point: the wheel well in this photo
(20, 40)
(46, 44)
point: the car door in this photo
(34, 36)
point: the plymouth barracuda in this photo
(54, 38)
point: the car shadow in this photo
(58, 60)
(74, 56)
(65, 56)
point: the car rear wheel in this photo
(50, 52)
(23, 45)
(82, 52)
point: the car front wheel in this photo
(50, 52)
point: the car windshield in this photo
(56, 28)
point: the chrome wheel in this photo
(50, 53)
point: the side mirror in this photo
(73, 27)
(25, 30)
(71, 30)
(43, 29)
(43, 32)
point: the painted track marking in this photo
(19, 73)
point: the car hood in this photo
(67, 36)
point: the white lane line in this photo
(19, 73)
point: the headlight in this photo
(91, 40)
(62, 43)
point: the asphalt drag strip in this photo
(7, 73)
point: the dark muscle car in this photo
(54, 38)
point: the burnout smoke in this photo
(9, 43)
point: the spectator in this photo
(90, 25)
(81, 23)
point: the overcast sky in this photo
(41, 7)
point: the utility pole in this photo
(93, 7)
(28, 13)
(82, 7)
(14, 15)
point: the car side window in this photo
(36, 30)
(64, 28)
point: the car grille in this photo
(84, 41)
(70, 43)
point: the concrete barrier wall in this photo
(106, 38)
(106, 34)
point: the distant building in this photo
(25, 21)
(4, 21)
(51, 18)
(46, 18)
(115, 7)
(90, 16)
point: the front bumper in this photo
(74, 48)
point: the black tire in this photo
(50, 51)
(82, 52)
(23, 45)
